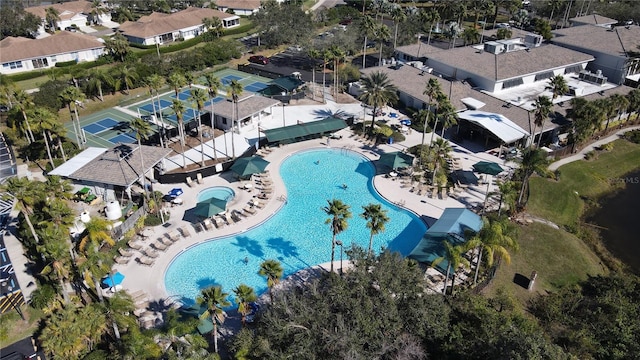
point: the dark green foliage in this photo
(152, 220)
(42, 296)
(633, 136)
(600, 319)
(25, 75)
(283, 23)
(15, 21)
(66, 63)
(48, 96)
(238, 30)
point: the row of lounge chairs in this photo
(191, 183)
(150, 253)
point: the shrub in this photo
(591, 155)
(238, 30)
(42, 296)
(152, 220)
(606, 147)
(66, 63)
(633, 136)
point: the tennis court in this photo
(159, 106)
(104, 129)
(256, 86)
(250, 82)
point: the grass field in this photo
(563, 201)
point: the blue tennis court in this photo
(227, 79)
(256, 86)
(123, 138)
(215, 100)
(184, 96)
(149, 107)
(100, 126)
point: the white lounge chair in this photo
(207, 224)
(145, 261)
(125, 252)
(199, 178)
(249, 210)
(189, 181)
(185, 232)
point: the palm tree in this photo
(367, 28)
(543, 107)
(118, 46)
(453, 255)
(382, 34)
(508, 193)
(126, 75)
(618, 103)
(327, 55)
(198, 98)
(432, 90)
(73, 95)
(98, 78)
(558, 86)
(177, 81)
(376, 219)
(494, 240)
(52, 16)
(55, 253)
(94, 264)
(448, 116)
(45, 120)
(272, 270)
(189, 77)
(554, 5)
(143, 130)
(634, 103)
(155, 82)
(398, 16)
(26, 196)
(470, 35)
(337, 54)
(533, 161)
(96, 11)
(60, 133)
(213, 25)
(313, 55)
(118, 310)
(97, 234)
(339, 213)
(23, 102)
(377, 92)
(234, 90)
(214, 299)
(440, 150)
(63, 335)
(213, 85)
(244, 296)
(179, 108)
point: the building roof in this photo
(119, 165)
(417, 50)
(617, 41)
(511, 64)
(160, 23)
(593, 19)
(19, 48)
(498, 124)
(561, 109)
(249, 104)
(239, 4)
(288, 83)
(66, 10)
(78, 161)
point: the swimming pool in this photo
(220, 192)
(297, 235)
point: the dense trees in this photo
(283, 23)
(15, 21)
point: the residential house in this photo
(77, 13)
(616, 51)
(239, 7)
(18, 54)
(160, 28)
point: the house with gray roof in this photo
(160, 28)
(19, 54)
(616, 51)
(252, 108)
(239, 7)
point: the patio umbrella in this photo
(489, 168)
(396, 159)
(113, 280)
(175, 192)
(466, 176)
(210, 207)
(249, 165)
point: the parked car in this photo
(259, 59)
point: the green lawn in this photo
(562, 201)
(17, 328)
(558, 257)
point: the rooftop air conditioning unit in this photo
(493, 47)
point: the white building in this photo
(239, 7)
(160, 28)
(76, 13)
(18, 54)
(252, 109)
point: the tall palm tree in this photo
(533, 161)
(327, 55)
(337, 54)
(234, 90)
(73, 95)
(213, 85)
(313, 55)
(382, 34)
(367, 28)
(448, 115)
(508, 194)
(244, 296)
(339, 213)
(26, 195)
(453, 255)
(64, 335)
(23, 102)
(189, 78)
(213, 25)
(118, 311)
(377, 92)
(52, 16)
(634, 102)
(440, 153)
(272, 270)
(618, 103)
(471, 35)
(45, 120)
(432, 90)
(554, 5)
(60, 133)
(177, 81)
(558, 86)
(179, 108)
(97, 10)
(97, 234)
(214, 299)
(127, 76)
(54, 250)
(542, 110)
(143, 130)
(93, 264)
(376, 219)
(198, 98)
(398, 16)
(494, 240)
(155, 82)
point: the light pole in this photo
(339, 243)
(283, 118)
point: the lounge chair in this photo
(190, 182)
(263, 196)
(125, 252)
(238, 213)
(257, 203)
(150, 252)
(226, 218)
(218, 222)
(235, 217)
(158, 246)
(122, 259)
(185, 232)
(207, 224)
(134, 245)
(199, 178)
(145, 261)
(173, 236)
(249, 210)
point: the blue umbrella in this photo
(406, 122)
(175, 192)
(113, 280)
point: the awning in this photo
(77, 161)
(503, 128)
(472, 103)
(306, 129)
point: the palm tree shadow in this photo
(325, 113)
(251, 246)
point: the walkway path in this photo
(580, 155)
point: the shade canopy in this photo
(175, 192)
(488, 167)
(466, 176)
(499, 125)
(113, 280)
(396, 159)
(210, 207)
(249, 165)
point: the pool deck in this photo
(150, 279)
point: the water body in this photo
(618, 213)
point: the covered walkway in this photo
(304, 131)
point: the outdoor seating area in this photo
(145, 251)
(84, 195)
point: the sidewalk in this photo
(580, 155)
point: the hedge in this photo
(66, 63)
(238, 30)
(64, 69)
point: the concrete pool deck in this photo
(150, 279)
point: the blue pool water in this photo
(296, 235)
(220, 192)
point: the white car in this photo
(502, 26)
